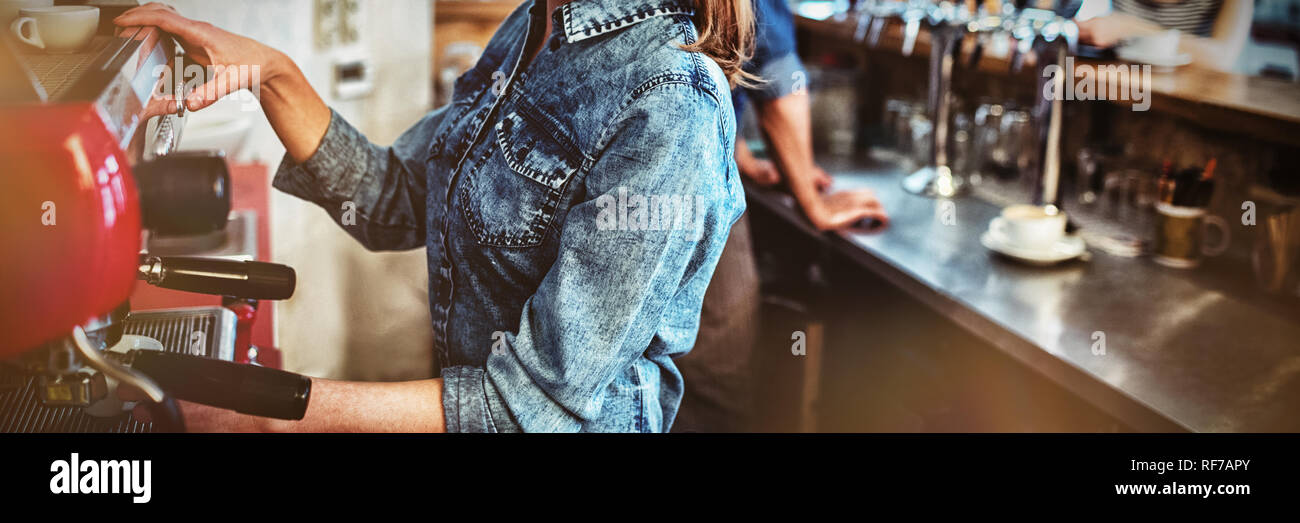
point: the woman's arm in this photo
(335, 406)
(786, 123)
(1231, 32)
(377, 194)
(296, 112)
(1218, 51)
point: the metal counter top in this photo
(1178, 356)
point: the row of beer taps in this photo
(1041, 33)
(988, 21)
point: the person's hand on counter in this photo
(296, 112)
(786, 123)
(845, 209)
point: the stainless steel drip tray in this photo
(57, 72)
(205, 331)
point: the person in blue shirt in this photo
(718, 372)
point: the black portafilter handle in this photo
(248, 389)
(184, 193)
(243, 279)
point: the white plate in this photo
(1130, 55)
(1067, 248)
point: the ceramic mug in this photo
(1181, 234)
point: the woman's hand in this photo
(1111, 30)
(296, 112)
(208, 45)
(845, 209)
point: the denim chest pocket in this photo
(510, 197)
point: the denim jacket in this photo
(572, 209)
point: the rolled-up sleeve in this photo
(613, 284)
(776, 56)
(376, 194)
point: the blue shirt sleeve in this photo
(376, 194)
(776, 57)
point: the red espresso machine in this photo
(87, 148)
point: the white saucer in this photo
(1130, 55)
(1067, 248)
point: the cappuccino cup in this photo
(57, 29)
(1030, 227)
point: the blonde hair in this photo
(726, 30)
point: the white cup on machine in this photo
(56, 29)
(1030, 227)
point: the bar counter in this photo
(1178, 355)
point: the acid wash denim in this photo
(572, 209)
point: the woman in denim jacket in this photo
(573, 199)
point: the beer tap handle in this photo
(877, 27)
(910, 31)
(864, 22)
(1025, 37)
(1070, 31)
(959, 37)
(976, 52)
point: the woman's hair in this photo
(727, 36)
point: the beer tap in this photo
(865, 16)
(947, 23)
(993, 20)
(1041, 32)
(1055, 41)
(874, 15)
(1027, 26)
(915, 13)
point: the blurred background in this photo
(383, 64)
